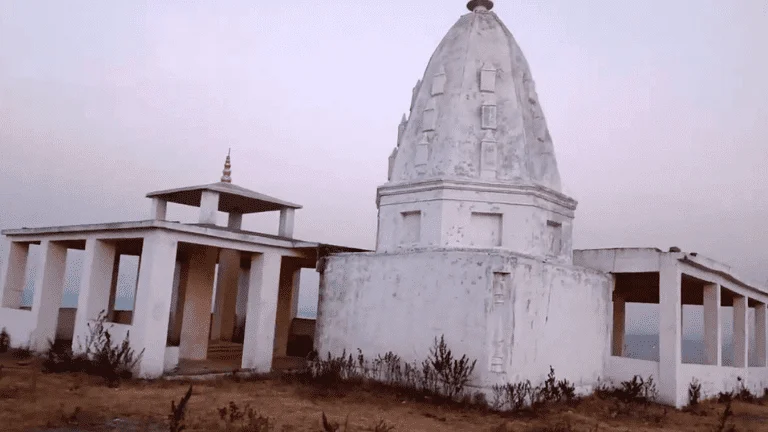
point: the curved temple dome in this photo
(475, 114)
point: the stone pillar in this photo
(13, 278)
(619, 323)
(670, 332)
(149, 331)
(713, 337)
(177, 317)
(760, 335)
(287, 306)
(224, 310)
(286, 222)
(159, 209)
(49, 289)
(740, 331)
(209, 207)
(262, 310)
(95, 284)
(196, 323)
(235, 221)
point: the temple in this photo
(474, 243)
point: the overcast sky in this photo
(657, 110)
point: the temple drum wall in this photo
(516, 316)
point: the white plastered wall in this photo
(401, 302)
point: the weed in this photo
(329, 426)
(99, 356)
(5, 341)
(723, 425)
(58, 358)
(454, 374)
(176, 417)
(440, 375)
(21, 352)
(382, 426)
(514, 397)
(694, 392)
(636, 390)
(743, 394)
(245, 420)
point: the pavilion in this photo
(171, 320)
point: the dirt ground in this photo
(34, 401)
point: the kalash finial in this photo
(227, 177)
(480, 5)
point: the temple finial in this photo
(227, 173)
(480, 5)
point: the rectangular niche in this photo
(411, 227)
(485, 229)
(555, 235)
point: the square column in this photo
(49, 289)
(159, 209)
(287, 307)
(13, 278)
(209, 207)
(95, 284)
(619, 324)
(286, 222)
(177, 314)
(261, 312)
(235, 221)
(226, 296)
(760, 335)
(740, 332)
(713, 337)
(670, 332)
(196, 322)
(113, 289)
(153, 302)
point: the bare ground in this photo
(34, 401)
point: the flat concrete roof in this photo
(646, 260)
(74, 233)
(232, 198)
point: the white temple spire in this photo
(227, 172)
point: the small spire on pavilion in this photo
(480, 5)
(227, 173)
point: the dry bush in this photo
(178, 412)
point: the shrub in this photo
(58, 358)
(178, 412)
(453, 374)
(5, 341)
(694, 392)
(99, 356)
(245, 420)
(21, 352)
(636, 390)
(723, 425)
(329, 426)
(515, 396)
(382, 426)
(439, 375)
(743, 394)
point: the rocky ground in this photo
(34, 401)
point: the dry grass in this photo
(31, 400)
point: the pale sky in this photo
(657, 110)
